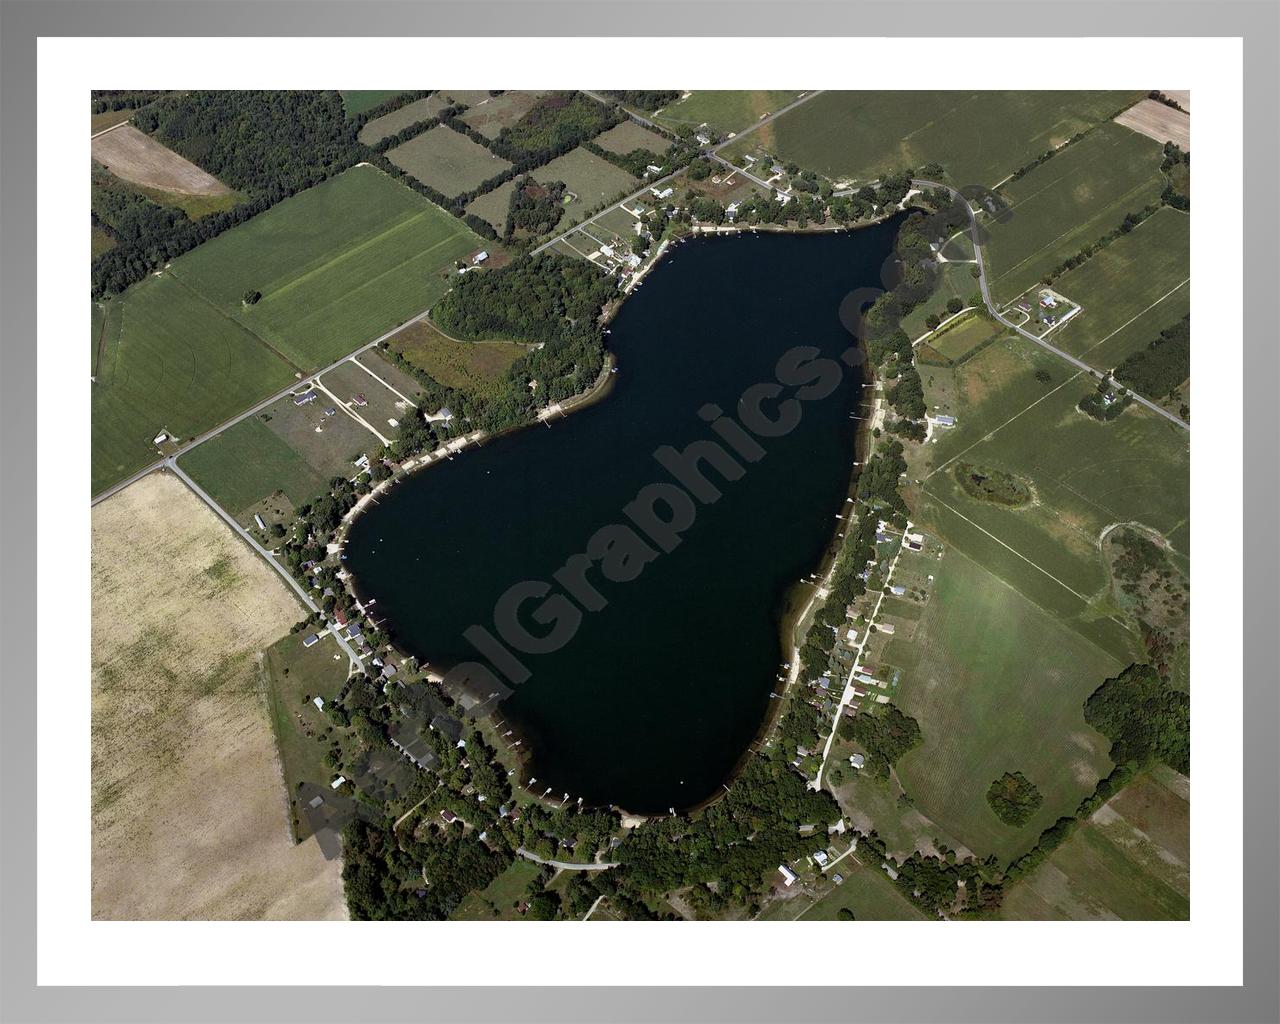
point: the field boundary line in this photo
(1135, 317)
(232, 320)
(1054, 241)
(1015, 551)
(994, 430)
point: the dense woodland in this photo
(1158, 370)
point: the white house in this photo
(479, 258)
(788, 876)
(857, 760)
(318, 702)
(340, 780)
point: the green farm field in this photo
(1129, 861)
(997, 684)
(1068, 202)
(170, 362)
(337, 265)
(593, 180)
(446, 160)
(1085, 475)
(980, 138)
(246, 463)
(723, 111)
(1143, 276)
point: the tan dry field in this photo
(135, 156)
(188, 812)
(1159, 121)
(1182, 97)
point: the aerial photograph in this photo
(671, 505)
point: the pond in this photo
(667, 678)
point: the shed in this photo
(310, 639)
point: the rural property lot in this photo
(997, 685)
(493, 206)
(135, 156)
(1068, 202)
(627, 136)
(170, 362)
(593, 180)
(337, 265)
(1159, 121)
(492, 114)
(472, 366)
(980, 138)
(352, 383)
(723, 111)
(187, 795)
(399, 119)
(1084, 475)
(1130, 291)
(1130, 861)
(446, 160)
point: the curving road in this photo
(563, 865)
(1079, 364)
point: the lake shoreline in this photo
(792, 608)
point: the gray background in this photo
(1257, 22)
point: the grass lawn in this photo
(446, 160)
(100, 242)
(979, 137)
(294, 675)
(593, 180)
(965, 336)
(1069, 202)
(248, 462)
(723, 111)
(1141, 277)
(170, 362)
(868, 892)
(997, 684)
(1130, 860)
(496, 901)
(956, 281)
(337, 265)
(474, 366)
(357, 101)
(401, 118)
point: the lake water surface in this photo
(658, 695)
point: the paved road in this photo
(744, 172)
(991, 308)
(563, 865)
(201, 438)
(846, 695)
(172, 465)
(654, 184)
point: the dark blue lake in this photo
(658, 696)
